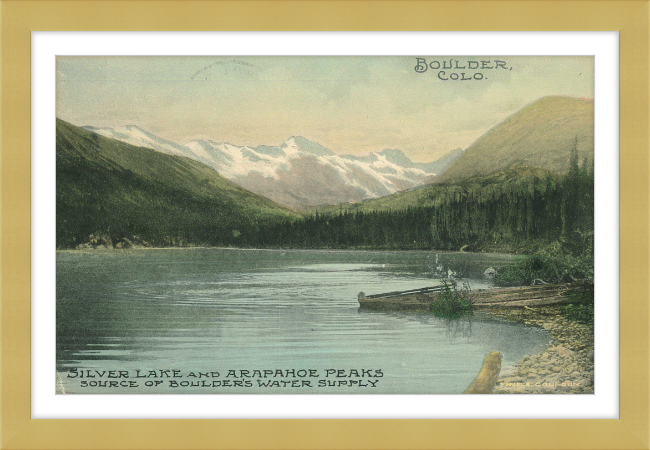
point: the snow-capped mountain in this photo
(134, 135)
(299, 172)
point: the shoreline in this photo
(565, 367)
(332, 250)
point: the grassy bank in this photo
(546, 267)
(555, 265)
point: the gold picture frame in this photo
(19, 18)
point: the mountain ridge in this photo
(299, 173)
(541, 134)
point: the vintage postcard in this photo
(325, 225)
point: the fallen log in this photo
(508, 297)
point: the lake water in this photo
(208, 314)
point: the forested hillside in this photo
(519, 209)
(131, 194)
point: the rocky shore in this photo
(566, 367)
(105, 242)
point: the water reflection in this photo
(209, 309)
(460, 328)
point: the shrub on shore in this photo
(453, 302)
(546, 268)
(554, 266)
(581, 308)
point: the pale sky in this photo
(351, 105)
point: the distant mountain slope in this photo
(441, 165)
(540, 135)
(121, 191)
(299, 172)
(430, 195)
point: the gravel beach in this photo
(566, 367)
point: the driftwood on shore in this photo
(508, 297)
(486, 379)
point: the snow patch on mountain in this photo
(299, 172)
(131, 134)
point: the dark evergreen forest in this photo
(507, 216)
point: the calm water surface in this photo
(215, 310)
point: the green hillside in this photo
(432, 194)
(519, 210)
(126, 194)
(540, 135)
